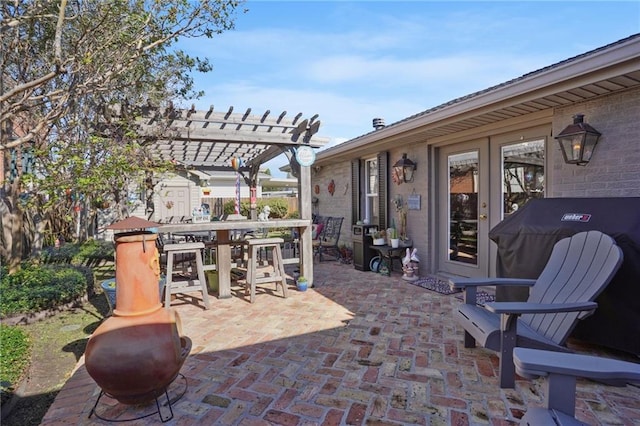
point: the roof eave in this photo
(594, 66)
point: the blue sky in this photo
(352, 61)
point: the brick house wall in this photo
(417, 220)
(614, 170)
(338, 205)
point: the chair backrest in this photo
(331, 231)
(578, 270)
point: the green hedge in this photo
(15, 355)
(39, 287)
(87, 253)
(279, 207)
(93, 249)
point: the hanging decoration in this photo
(401, 210)
(236, 163)
(396, 176)
(332, 187)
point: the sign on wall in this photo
(413, 202)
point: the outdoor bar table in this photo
(222, 229)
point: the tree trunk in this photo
(12, 229)
(40, 226)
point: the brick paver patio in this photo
(358, 349)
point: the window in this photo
(463, 206)
(522, 174)
(371, 191)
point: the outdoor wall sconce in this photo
(403, 170)
(577, 141)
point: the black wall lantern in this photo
(403, 169)
(577, 141)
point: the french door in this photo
(480, 184)
(463, 210)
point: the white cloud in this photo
(350, 62)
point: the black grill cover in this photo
(525, 240)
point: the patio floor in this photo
(357, 349)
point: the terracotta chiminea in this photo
(135, 354)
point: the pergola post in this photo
(304, 207)
(252, 182)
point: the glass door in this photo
(523, 175)
(480, 183)
(463, 217)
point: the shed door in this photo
(174, 203)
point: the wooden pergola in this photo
(209, 140)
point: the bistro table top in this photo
(385, 249)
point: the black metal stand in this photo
(158, 407)
(388, 254)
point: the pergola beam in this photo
(223, 135)
(210, 139)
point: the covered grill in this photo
(525, 240)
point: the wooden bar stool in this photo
(185, 282)
(255, 245)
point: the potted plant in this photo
(379, 238)
(302, 283)
(393, 237)
(109, 289)
(346, 253)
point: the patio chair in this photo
(561, 371)
(328, 238)
(577, 271)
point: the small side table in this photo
(388, 254)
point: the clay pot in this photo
(134, 359)
(136, 353)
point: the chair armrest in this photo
(459, 283)
(532, 363)
(518, 308)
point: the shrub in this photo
(278, 207)
(87, 253)
(14, 358)
(39, 287)
(229, 208)
(63, 254)
(94, 249)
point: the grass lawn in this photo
(58, 342)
